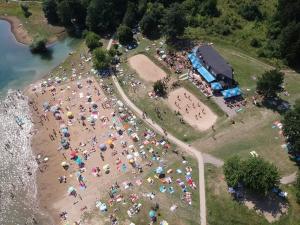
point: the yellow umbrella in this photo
(109, 142)
(69, 114)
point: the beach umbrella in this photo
(91, 119)
(73, 153)
(78, 161)
(46, 105)
(70, 115)
(54, 108)
(159, 170)
(129, 156)
(109, 142)
(106, 167)
(152, 214)
(71, 190)
(102, 147)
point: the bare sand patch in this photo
(146, 69)
(193, 111)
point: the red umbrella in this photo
(73, 153)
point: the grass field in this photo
(222, 210)
(36, 24)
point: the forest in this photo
(275, 24)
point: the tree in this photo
(269, 84)
(259, 175)
(38, 45)
(160, 88)
(250, 11)
(50, 11)
(125, 35)
(101, 59)
(209, 8)
(233, 171)
(297, 186)
(291, 127)
(131, 15)
(92, 41)
(71, 13)
(152, 20)
(105, 15)
(254, 173)
(25, 9)
(174, 22)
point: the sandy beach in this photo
(18, 30)
(21, 34)
(83, 139)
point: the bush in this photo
(92, 41)
(255, 43)
(250, 11)
(38, 45)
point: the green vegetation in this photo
(92, 41)
(174, 22)
(160, 88)
(50, 11)
(125, 35)
(291, 128)
(101, 59)
(223, 210)
(297, 187)
(36, 24)
(25, 9)
(38, 45)
(254, 173)
(270, 83)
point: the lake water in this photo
(18, 68)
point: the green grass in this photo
(222, 210)
(36, 24)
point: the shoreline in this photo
(22, 36)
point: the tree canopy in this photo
(269, 84)
(160, 88)
(125, 35)
(50, 11)
(101, 59)
(174, 22)
(291, 127)
(104, 16)
(254, 173)
(92, 41)
(38, 45)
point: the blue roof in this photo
(197, 65)
(231, 92)
(216, 86)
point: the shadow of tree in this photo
(276, 104)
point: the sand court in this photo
(146, 69)
(193, 111)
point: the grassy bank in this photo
(36, 24)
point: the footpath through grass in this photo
(223, 210)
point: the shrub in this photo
(160, 88)
(38, 45)
(92, 41)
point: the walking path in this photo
(173, 139)
(176, 141)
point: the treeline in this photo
(284, 33)
(155, 17)
(171, 17)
